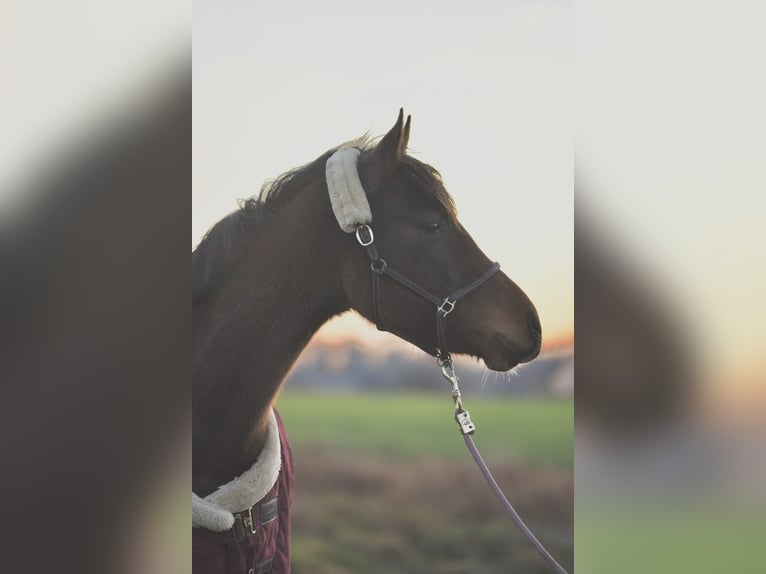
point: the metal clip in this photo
(448, 372)
(461, 415)
(465, 423)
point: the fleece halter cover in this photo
(216, 510)
(347, 197)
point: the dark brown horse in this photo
(266, 278)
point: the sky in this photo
(487, 84)
(670, 159)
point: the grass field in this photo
(533, 432)
(666, 538)
(384, 484)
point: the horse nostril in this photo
(533, 323)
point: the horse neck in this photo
(253, 329)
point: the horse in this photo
(269, 275)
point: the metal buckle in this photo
(368, 229)
(249, 520)
(241, 522)
(443, 309)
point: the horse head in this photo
(418, 233)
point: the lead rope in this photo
(444, 307)
(467, 428)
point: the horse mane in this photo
(223, 246)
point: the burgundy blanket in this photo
(239, 551)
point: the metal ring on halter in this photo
(379, 270)
(368, 229)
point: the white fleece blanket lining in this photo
(347, 197)
(216, 510)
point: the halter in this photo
(351, 209)
(444, 306)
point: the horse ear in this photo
(405, 140)
(389, 151)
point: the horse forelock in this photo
(429, 182)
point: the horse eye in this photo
(433, 227)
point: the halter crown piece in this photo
(347, 197)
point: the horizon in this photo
(350, 328)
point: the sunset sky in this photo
(488, 87)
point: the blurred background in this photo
(94, 212)
(670, 465)
(95, 172)
(383, 480)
